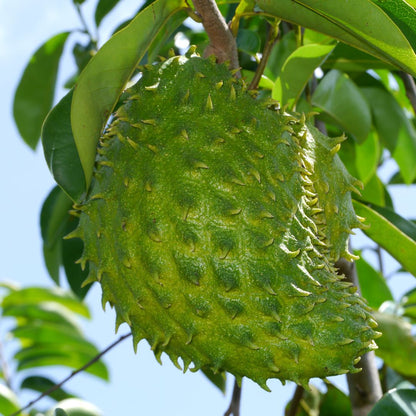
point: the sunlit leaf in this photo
(397, 346)
(280, 52)
(372, 284)
(36, 295)
(60, 151)
(374, 192)
(297, 70)
(389, 236)
(61, 355)
(367, 156)
(103, 8)
(8, 401)
(102, 81)
(359, 23)
(74, 407)
(396, 402)
(35, 92)
(338, 96)
(394, 129)
(335, 402)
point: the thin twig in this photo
(84, 23)
(410, 86)
(295, 402)
(271, 40)
(234, 408)
(222, 42)
(74, 373)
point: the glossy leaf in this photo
(36, 295)
(8, 401)
(397, 346)
(396, 402)
(72, 251)
(74, 407)
(359, 23)
(60, 151)
(43, 384)
(349, 59)
(374, 191)
(408, 304)
(335, 402)
(297, 70)
(280, 52)
(103, 8)
(248, 41)
(372, 284)
(35, 92)
(394, 129)
(53, 219)
(339, 97)
(102, 81)
(62, 355)
(387, 235)
(367, 156)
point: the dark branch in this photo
(222, 42)
(295, 402)
(234, 408)
(409, 84)
(74, 373)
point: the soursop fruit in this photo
(213, 223)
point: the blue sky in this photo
(139, 385)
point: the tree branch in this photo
(222, 42)
(365, 387)
(234, 408)
(74, 373)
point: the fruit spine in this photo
(213, 223)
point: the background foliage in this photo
(368, 94)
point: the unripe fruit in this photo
(213, 223)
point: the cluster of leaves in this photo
(43, 331)
(354, 68)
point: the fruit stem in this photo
(222, 42)
(234, 408)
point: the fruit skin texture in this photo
(213, 223)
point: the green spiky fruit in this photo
(213, 223)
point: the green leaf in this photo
(103, 79)
(335, 402)
(280, 52)
(8, 401)
(367, 156)
(248, 41)
(374, 191)
(36, 295)
(372, 284)
(396, 402)
(339, 97)
(72, 250)
(43, 384)
(396, 346)
(389, 236)
(359, 23)
(297, 70)
(408, 304)
(349, 59)
(35, 92)
(60, 354)
(394, 129)
(74, 407)
(103, 8)
(53, 220)
(60, 150)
